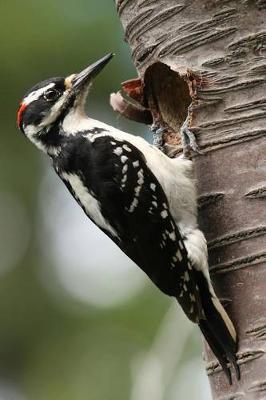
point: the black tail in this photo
(216, 348)
(217, 328)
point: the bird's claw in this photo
(157, 135)
(188, 139)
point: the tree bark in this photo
(212, 53)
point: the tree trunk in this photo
(216, 53)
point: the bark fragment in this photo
(162, 98)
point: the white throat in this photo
(77, 121)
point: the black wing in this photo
(133, 202)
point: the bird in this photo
(144, 201)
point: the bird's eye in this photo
(51, 94)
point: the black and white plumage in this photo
(143, 200)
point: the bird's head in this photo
(47, 103)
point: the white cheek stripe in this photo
(36, 94)
(90, 204)
(54, 112)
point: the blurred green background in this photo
(78, 319)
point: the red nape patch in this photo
(21, 109)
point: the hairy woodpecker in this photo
(144, 201)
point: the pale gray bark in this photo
(220, 47)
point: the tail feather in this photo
(225, 317)
(216, 348)
(227, 336)
(217, 328)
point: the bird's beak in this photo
(81, 79)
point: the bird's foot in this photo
(157, 132)
(188, 139)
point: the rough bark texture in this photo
(219, 47)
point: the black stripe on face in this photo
(59, 84)
(37, 104)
